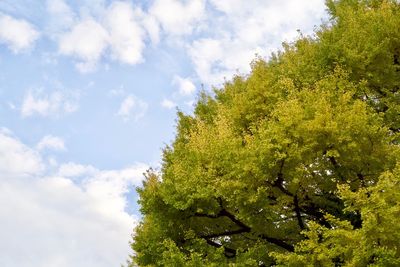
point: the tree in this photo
(287, 164)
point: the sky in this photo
(89, 91)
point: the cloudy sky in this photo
(88, 97)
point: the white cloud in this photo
(178, 17)
(61, 16)
(126, 106)
(120, 91)
(11, 106)
(126, 35)
(168, 104)
(229, 6)
(117, 32)
(216, 59)
(152, 28)
(185, 85)
(60, 220)
(132, 108)
(18, 34)
(71, 169)
(52, 143)
(204, 54)
(52, 104)
(86, 41)
(16, 159)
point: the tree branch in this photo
(361, 178)
(229, 252)
(243, 228)
(298, 214)
(227, 233)
(278, 242)
(211, 216)
(232, 217)
(313, 211)
(336, 166)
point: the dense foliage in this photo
(296, 164)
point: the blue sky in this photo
(88, 96)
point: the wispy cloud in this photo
(132, 108)
(86, 41)
(52, 104)
(177, 17)
(61, 16)
(126, 34)
(117, 31)
(50, 142)
(17, 34)
(168, 104)
(185, 85)
(16, 159)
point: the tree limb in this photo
(227, 233)
(278, 242)
(243, 228)
(229, 252)
(298, 213)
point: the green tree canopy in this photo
(292, 165)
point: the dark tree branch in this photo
(278, 183)
(227, 233)
(315, 213)
(298, 213)
(229, 252)
(243, 229)
(336, 166)
(232, 217)
(361, 178)
(278, 242)
(211, 216)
